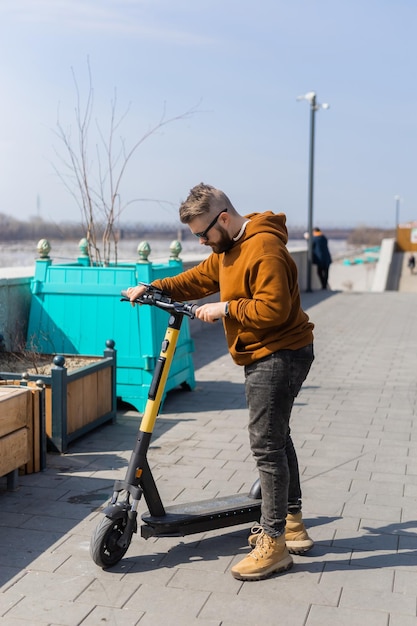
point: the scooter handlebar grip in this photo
(142, 299)
(190, 309)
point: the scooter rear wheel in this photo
(104, 549)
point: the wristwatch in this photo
(226, 310)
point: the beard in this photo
(225, 243)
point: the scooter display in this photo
(112, 536)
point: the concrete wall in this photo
(14, 310)
(300, 257)
(386, 275)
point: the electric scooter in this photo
(112, 537)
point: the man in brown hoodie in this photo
(269, 334)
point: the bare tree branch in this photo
(99, 197)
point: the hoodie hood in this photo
(267, 222)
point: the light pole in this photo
(397, 211)
(311, 97)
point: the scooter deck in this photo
(185, 519)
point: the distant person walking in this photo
(411, 263)
(321, 256)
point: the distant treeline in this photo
(360, 236)
(12, 229)
(365, 236)
(36, 228)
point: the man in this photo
(267, 333)
(321, 256)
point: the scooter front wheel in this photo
(104, 549)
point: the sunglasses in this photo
(203, 234)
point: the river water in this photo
(24, 253)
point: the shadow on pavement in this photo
(310, 299)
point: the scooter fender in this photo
(123, 511)
(116, 511)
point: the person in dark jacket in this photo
(321, 256)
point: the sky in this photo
(228, 74)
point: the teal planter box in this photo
(74, 308)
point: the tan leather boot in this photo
(268, 557)
(296, 536)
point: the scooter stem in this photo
(161, 372)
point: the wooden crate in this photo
(15, 405)
(22, 438)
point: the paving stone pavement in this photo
(354, 425)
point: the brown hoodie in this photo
(258, 278)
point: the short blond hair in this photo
(200, 200)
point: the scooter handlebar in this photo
(162, 300)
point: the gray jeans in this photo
(271, 385)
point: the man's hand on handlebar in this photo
(135, 292)
(211, 312)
